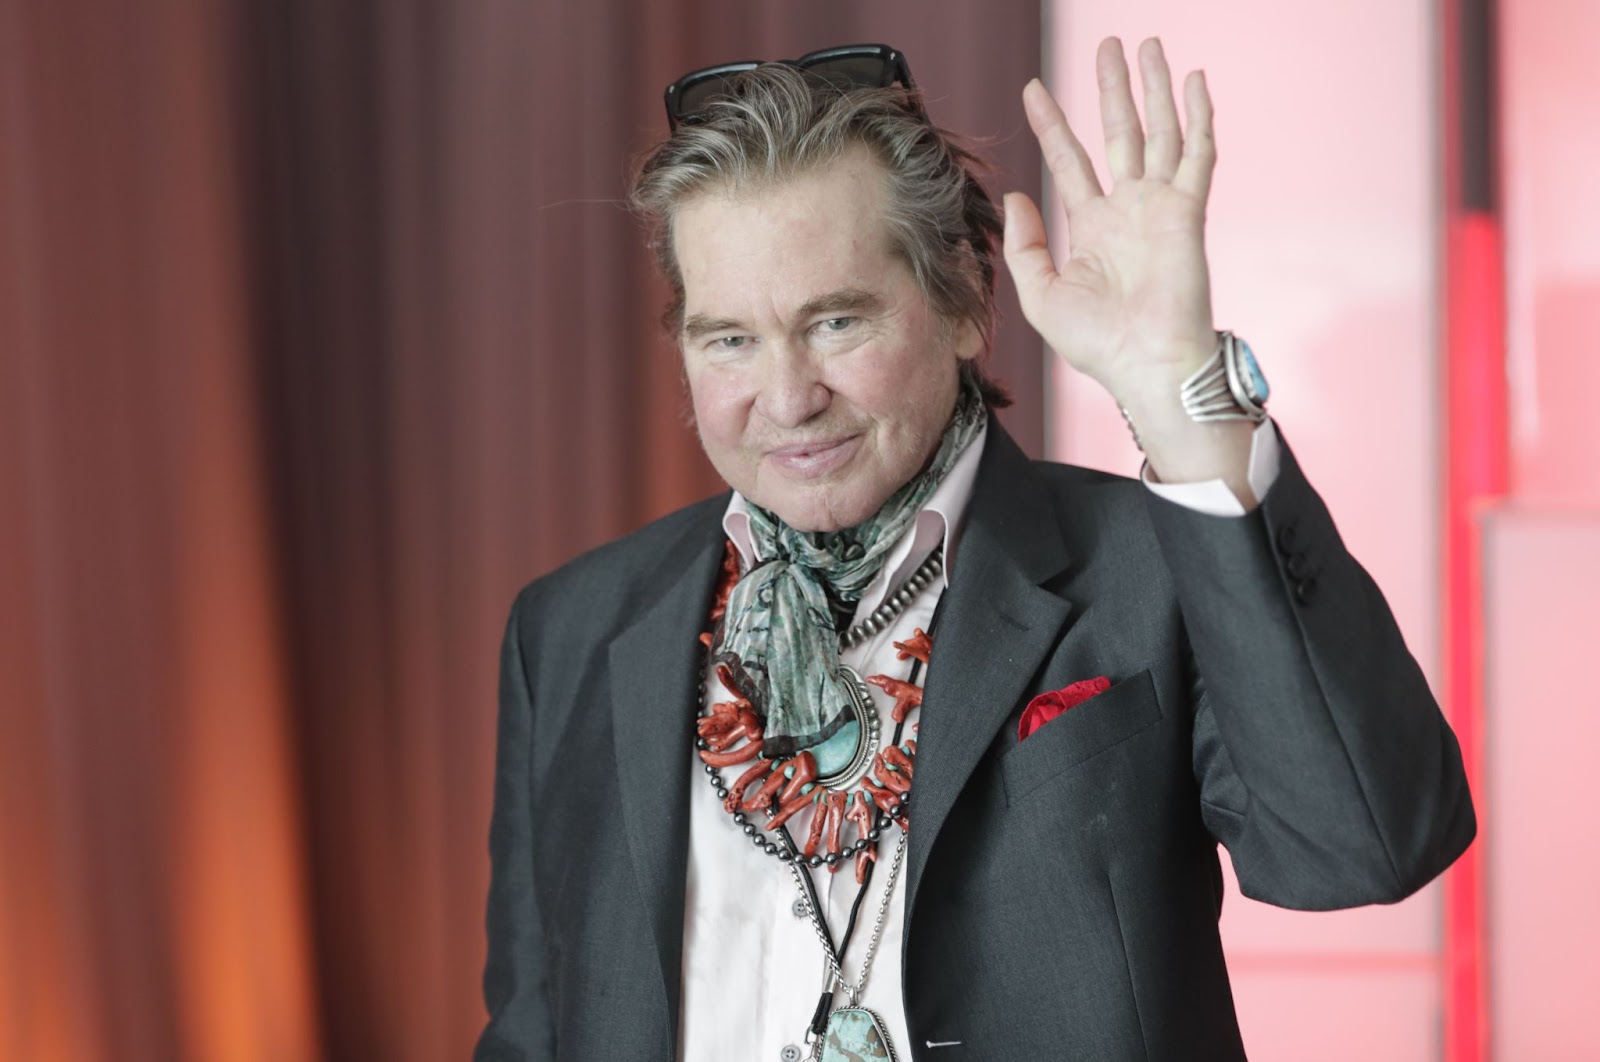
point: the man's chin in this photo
(827, 514)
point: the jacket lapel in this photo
(653, 678)
(994, 632)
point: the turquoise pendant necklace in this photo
(849, 1032)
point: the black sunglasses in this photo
(850, 66)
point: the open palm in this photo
(1132, 301)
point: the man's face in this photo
(822, 380)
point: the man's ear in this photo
(968, 339)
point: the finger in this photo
(1124, 135)
(1027, 252)
(1163, 139)
(1069, 163)
(1199, 144)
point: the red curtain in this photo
(151, 845)
(322, 330)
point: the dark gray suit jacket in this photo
(1063, 893)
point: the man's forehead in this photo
(741, 298)
(786, 247)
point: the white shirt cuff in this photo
(1212, 496)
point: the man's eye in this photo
(837, 324)
(729, 342)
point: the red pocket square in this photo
(1047, 706)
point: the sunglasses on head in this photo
(850, 66)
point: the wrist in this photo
(1226, 386)
(1195, 417)
(1155, 379)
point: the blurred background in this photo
(323, 330)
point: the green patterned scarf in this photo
(780, 638)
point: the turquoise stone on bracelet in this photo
(1257, 380)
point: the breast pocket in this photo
(1080, 733)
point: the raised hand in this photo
(1133, 294)
(1130, 305)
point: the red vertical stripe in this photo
(1477, 472)
(1476, 454)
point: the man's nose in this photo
(792, 389)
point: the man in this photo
(910, 745)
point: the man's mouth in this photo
(817, 458)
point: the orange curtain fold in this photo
(154, 896)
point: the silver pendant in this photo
(869, 733)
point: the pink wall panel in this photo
(1323, 243)
(1542, 551)
(1542, 579)
(1336, 1014)
(1551, 162)
(1393, 932)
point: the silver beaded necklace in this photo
(880, 618)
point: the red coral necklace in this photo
(791, 785)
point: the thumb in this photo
(1027, 252)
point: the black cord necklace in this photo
(866, 881)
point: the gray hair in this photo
(778, 123)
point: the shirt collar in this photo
(938, 521)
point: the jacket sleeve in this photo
(1325, 766)
(519, 1028)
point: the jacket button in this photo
(1302, 590)
(1296, 566)
(1286, 538)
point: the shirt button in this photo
(790, 1053)
(801, 909)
